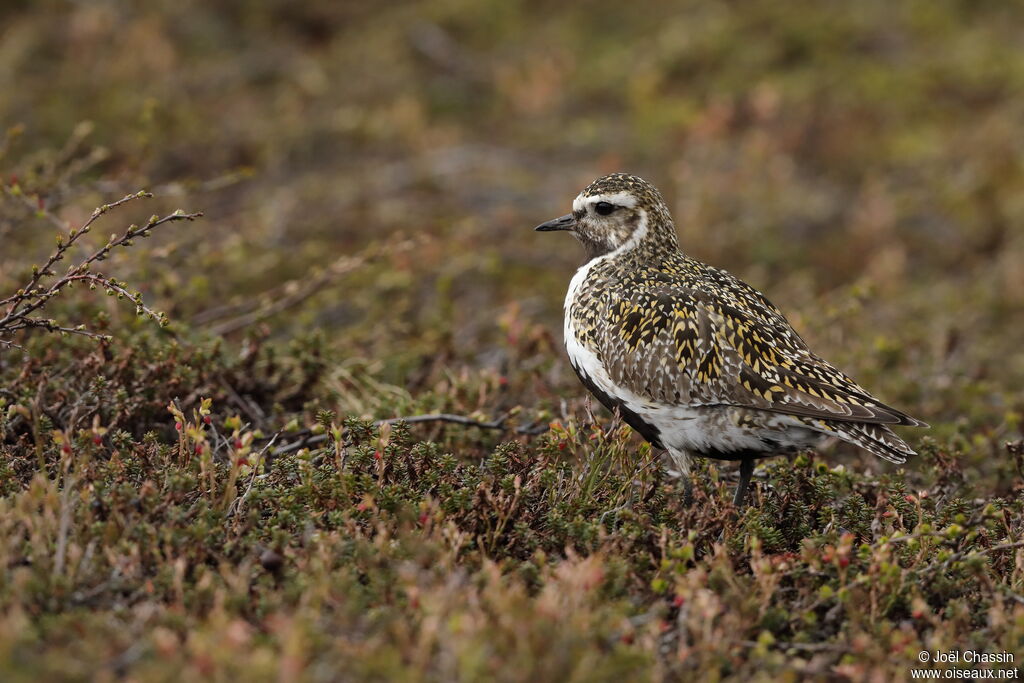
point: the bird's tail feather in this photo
(876, 438)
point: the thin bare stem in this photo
(38, 291)
(497, 424)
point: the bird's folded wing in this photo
(678, 345)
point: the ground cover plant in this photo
(202, 470)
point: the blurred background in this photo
(370, 175)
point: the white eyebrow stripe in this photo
(625, 199)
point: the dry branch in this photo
(229, 318)
(45, 284)
(496, 424)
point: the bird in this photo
(695, 360)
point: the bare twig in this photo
(289, 294)
(292, 292)
(496, 424)
(956, 557)
(249, 407)
(35, 294)
(236, 505)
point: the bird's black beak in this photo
(566, 222)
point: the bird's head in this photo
(617, 213)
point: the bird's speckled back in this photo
(675, 331)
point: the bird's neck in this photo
(652, 240)
(648, 247)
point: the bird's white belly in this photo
(685, 428)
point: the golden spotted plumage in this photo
(667, 338)
(727, 344)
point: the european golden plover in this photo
(696, 361)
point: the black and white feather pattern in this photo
(698, 361)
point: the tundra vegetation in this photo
(199, 473)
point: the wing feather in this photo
(673, 341)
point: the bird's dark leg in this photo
(746, 469)
(688, 491)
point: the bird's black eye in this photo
(604, 208)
